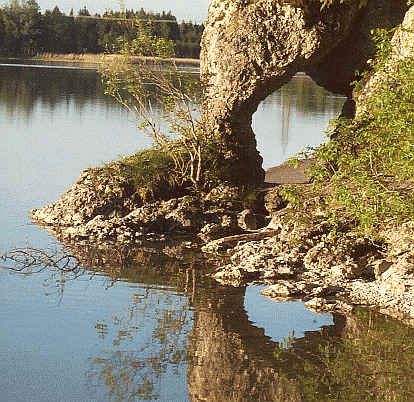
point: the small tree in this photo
(146, 80)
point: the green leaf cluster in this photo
(366, 172)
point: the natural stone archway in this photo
(251, 48)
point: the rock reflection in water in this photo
(363, 357)
(231, 359)
(180, 324)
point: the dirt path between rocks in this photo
(287, 174)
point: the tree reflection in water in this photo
(179, 323)
(149, 336)
(60, 265)
(371, 359)
(137, 373)
(28, 87)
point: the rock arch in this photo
(250, 48)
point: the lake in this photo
(136, 325)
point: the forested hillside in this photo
(26, 31)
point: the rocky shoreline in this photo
(302, 262)
(295, 260)
(106, 208)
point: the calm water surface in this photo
(135, 325)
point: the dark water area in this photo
(137, 324)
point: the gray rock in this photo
(247, 220)
(102, 208)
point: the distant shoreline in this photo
(90, 58)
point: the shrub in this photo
(166, 103)
(366, 173)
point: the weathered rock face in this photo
(336, 70)
(403, 40)
(304, 262)
(251, 48)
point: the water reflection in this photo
(139, 371)
(305, 98)
(150, 347)
(25, 86)
(180, 336)
(290, 119)
(142, 344)
(22, 88)
(163, 329)
(370, 360)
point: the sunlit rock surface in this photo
(250, 49)
(100, 207)
(303, 263)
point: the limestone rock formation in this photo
(251, 48)
(302, 262)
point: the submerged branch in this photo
(31, 260)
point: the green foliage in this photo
(20, 27)
(25, 31)
(150, 172)
(369, 166)
(146, 43)
(291, 194)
